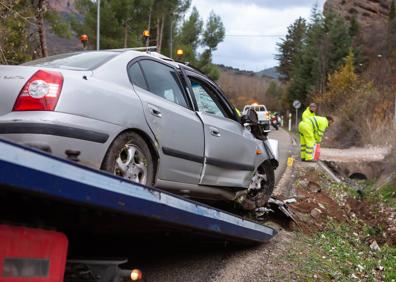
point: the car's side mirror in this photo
(250, 117)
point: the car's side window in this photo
(163, 81)
(206, 98)
(136, 76)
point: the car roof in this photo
(147, 52)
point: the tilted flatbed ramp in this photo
(37, 188)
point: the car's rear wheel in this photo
(129, 157)
(262, 184)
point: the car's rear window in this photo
(75, 61)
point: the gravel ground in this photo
(264, 263)
(261, 263)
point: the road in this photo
(285, 149)
(192, 262)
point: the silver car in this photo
(140, 116)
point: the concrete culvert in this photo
(358, 176)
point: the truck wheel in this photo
(262, 184)
(129, 157)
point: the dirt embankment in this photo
(320, 200)
(340, 234)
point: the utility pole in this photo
(171, 40)
(148, 28)
(98, 25)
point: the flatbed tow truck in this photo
(56, 215)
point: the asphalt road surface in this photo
(285, 149)
(200, 261)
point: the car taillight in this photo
(41, 92)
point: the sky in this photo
(253, 27)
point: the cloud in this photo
(253, 28)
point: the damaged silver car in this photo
(140, 116)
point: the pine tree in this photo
(188, 37)
(214, 32)
(327, 42)
(290, 48)
(306, 72)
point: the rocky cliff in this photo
(58, 44)
(63, 6)
(373, 19)
(367, 12)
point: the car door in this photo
(178, 130)
(230, 149)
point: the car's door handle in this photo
(155, 112)
(214, 131)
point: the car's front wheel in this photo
(262, 184)
(129, 157)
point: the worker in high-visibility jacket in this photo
(310, 111)
(311, 131)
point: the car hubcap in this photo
(131, 164)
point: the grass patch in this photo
(342, 253)
(385, 194)
(364, 190)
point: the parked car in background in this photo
(140, 116)
(262, 113)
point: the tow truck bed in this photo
(95, 208)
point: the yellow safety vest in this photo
(319, 126)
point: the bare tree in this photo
(41, 8)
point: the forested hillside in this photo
(346, 65)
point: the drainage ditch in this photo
(357, 170)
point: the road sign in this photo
(296, 104)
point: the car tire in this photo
(130, 157)
(262, 195)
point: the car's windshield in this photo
(75, 61)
